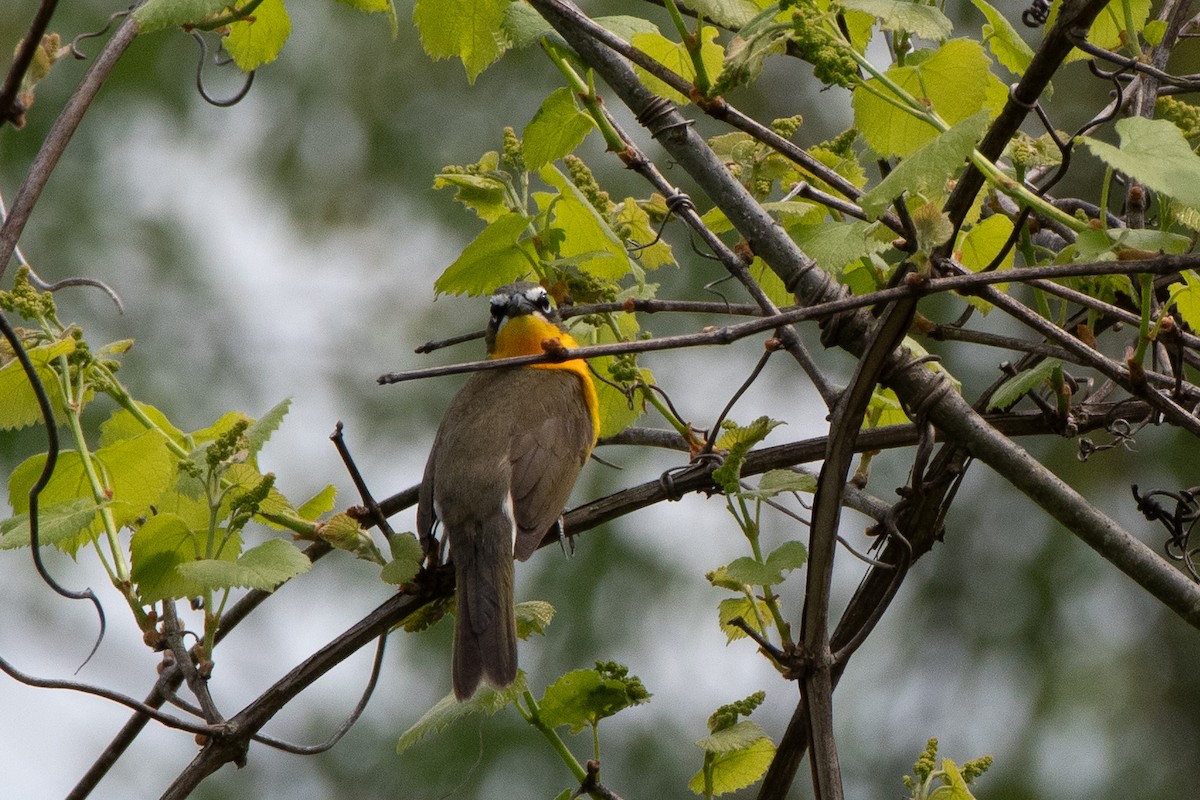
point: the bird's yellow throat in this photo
(523, 336)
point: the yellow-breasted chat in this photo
(503, 464)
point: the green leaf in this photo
(345, 533)
(748, 571)
(261, 429)
(448, 710)
(771, 283)
(407, 555)
(738, 736)
(223, 424)
(954, 81)
(124, 425)
(320, 503)
(1003, 40)
(369, 6)
(496, 257)
(616, 411)
(674, 56)
(258, 39)
(1109, 30)
(979, 246)
(1186, 297)
(584, 697)
(533, 616)
(747, 52)
(837, 245)
(18, 403)
(883, 409)
(264, 567)
(737, 769)
(158, 14)
(470, 30)
(556, 129)
(1154, 32)
(779, 481)
(138, 471)
(483, 194)
(56, 523)
(930, 166)
(738, 441)
(955, 788)
(588, 234)
(928, 22)
(1105, 245)
(726, 13)
(788, 556)
(156, 551)
(1153, 152)
(734, 607)
(1022, 383)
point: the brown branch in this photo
(970, 283)
(59, 136)
(10, 109)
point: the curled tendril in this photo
(1179, 522)
(677, 201)
(35, 491)
(1037, 14)
(79, 54)
(208, 98)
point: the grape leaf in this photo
(495, 257)
(470, 30)
(1003, 40)
(1153, 152)
(263, 567)
(158, 14)
(257, 40)
(928, 22)
(930, 166)
(736, 769)
(556, 129)
(449, 710)
(18, 403)
(954, 80)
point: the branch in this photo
(972, 283)
(10, 110)
(1073, 19)
(58, 137)
(232, 746)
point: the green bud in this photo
(513, 154)
(787, 126)
(585, 181)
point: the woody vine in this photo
(935, 191)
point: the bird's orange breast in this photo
(524, 336)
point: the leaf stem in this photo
(694, 44)
(556, 743)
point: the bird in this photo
(504, 460)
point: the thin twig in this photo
(967, 283)
(9, 109)
(59, 136)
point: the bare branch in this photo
(59, 136)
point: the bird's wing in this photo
(547, 457)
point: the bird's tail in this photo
(485, 628)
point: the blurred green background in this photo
(288, 246)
